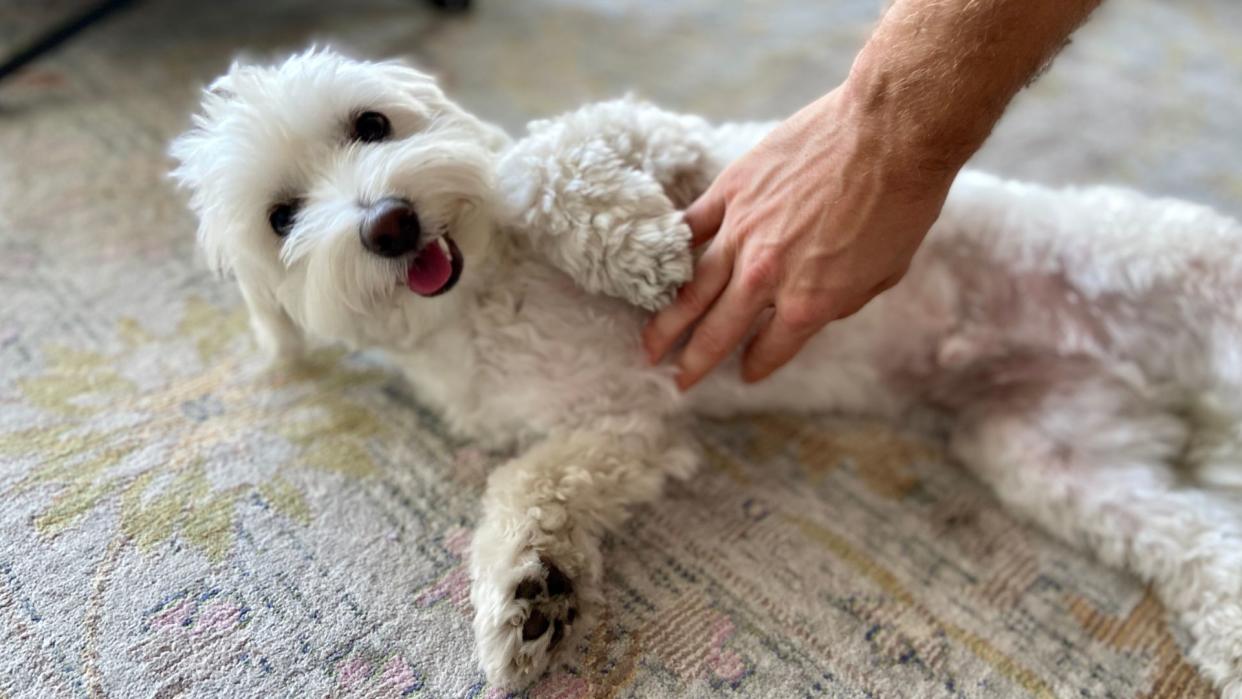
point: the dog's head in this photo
(350, 199)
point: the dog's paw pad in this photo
(528, 589)
(524, 616)
(535, 625)
(552, 604)
(558, 584)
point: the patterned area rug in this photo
(174, 521)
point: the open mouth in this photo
(436, 268)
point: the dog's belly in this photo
(997, 279)
(1014, 273)
(859, 365)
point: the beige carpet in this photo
(175, 522)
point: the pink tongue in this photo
(430, 271)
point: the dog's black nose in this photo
(390, 228)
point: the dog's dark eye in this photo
(370, 127)
(282, 217)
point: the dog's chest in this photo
(535, 354)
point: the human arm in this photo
(829, 209)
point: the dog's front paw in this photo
(553, 606)
(655, 261)
(522, 616)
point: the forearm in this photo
(936, 75)
(828, 210)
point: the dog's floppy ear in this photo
(223, 87)
(278, 337)
(196, 168)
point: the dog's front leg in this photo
(613, 232)
(591, 203)
(535, 562)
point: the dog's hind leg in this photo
(535, 561)
(1091, 459)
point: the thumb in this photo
(705, 215)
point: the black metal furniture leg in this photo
(99, 11)
(452, 5)
(60, 34)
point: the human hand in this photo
(815, 221)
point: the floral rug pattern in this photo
(177, 521)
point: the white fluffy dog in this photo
(1081, 349)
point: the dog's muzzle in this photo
(391, 228)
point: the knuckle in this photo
(759, 270)
(802, 314)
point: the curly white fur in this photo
(1081, 348)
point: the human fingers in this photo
(794, 323)
(719, 333)
(781, 338)
(704, 216)
(711, 275)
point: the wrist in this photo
(916, 136)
